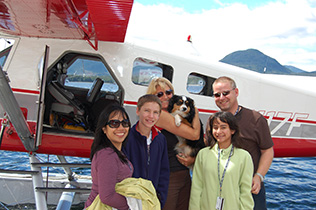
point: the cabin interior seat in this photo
(97, 109)
(66, 100)
(94, 90)
(67, 106)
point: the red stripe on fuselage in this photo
(18, 90)
(130, 103)
(80, 146)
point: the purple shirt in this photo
(107, 170)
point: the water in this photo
(290, 182)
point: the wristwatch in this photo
(261, 177)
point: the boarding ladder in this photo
(40, 190)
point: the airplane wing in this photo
(98, 20)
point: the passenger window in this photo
(83, 71)
(145, 70)
(200, 84)
(195, 84)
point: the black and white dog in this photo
(183, 110)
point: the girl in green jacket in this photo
(222, 174)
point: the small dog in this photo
(183, 110)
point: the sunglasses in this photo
(116, 123)
(168, 92)
(225, 93)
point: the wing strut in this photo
(84, 22)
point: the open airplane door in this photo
(41, 101)
(13, 111)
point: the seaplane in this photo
(67, 60)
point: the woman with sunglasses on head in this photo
(222, 175)
(108, 164)
(180, 179)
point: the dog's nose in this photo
(184, 109)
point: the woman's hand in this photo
(185, 160)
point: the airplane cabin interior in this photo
(78, 88)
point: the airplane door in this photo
(41, 105)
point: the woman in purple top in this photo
(108, 164)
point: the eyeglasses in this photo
(116, 123)
(168, 92)
(225, 93)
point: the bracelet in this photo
(261, 177)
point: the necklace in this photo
(238, 109)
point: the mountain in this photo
(255, 60)
(294, 69)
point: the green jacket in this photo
(236, 185)
(135, 190)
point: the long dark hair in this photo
(228, 118)
(100, 138)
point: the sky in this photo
(282, 29)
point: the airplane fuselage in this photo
(126, 69)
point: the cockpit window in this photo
(4, 55)
(83, 71)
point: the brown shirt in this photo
(255, 133)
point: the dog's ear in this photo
(192, 109)
(171, 102)
(191, 100)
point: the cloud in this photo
(219, 2)
(284, 30)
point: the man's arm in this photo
(263, 168)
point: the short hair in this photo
(148, 98)
(226, 79)
(158, 81)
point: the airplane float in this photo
(69, 60)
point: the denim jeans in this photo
(260, 199)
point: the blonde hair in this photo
(158, 82)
